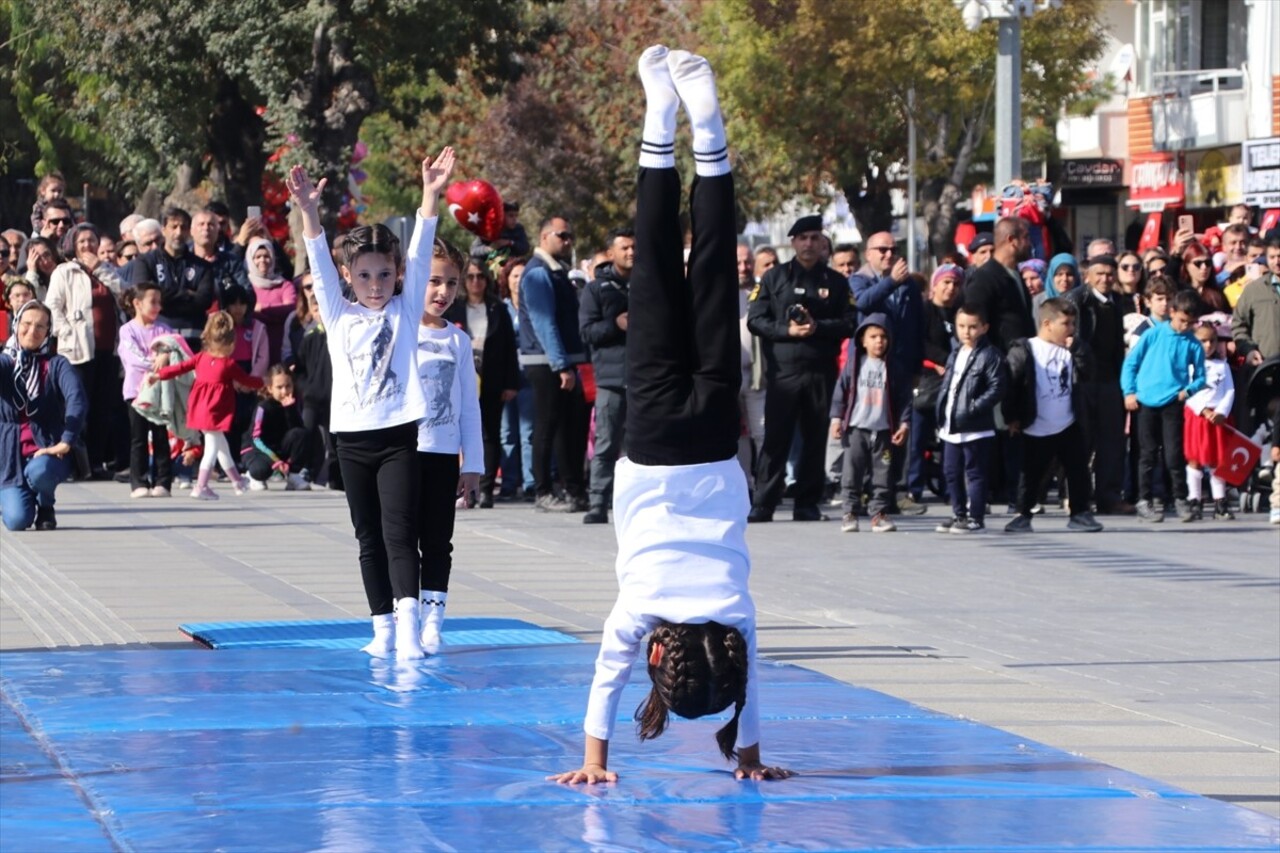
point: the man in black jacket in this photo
(997, 289)
(186, 282)
(602, 317)
(802, 311)
(1100, 328)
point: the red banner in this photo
(1155, 182)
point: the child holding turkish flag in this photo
(1204, 433)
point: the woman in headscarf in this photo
(1063, 275)
(1033, 273)
(276, 297)
(42, 408)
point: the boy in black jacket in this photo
(1045, 405)
(973, 385)
(870, 411)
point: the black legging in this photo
(294, 448)
(437, 508)
(491, 404)
(683, 354)
(380, 472)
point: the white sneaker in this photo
(257, 485)
(160, 492)
(205, 494)
(184, 485)
(296, 483)
(140, 492)
(1275, 515)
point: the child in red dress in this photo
(1203, 436)
(212, 404)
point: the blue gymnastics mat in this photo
(354, 633)
(319, 749)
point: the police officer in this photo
(802, 311)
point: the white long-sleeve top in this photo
(374, 353)
(447, 370)
(682, 557)
(1220, 392)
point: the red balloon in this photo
(477, 207)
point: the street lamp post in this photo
(1008, 14)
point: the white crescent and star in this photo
(1244, 458)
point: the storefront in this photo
(1093, 195)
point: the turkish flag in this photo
(1150, 233)
(1239, 456)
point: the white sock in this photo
(658, 144)
(1195, 483)
(433, 604)
(383, 644)
(1217, 487)
(696, 86)
(408, 645)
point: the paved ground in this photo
(1156, 650)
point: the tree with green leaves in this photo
(816, 93)
(219, 86)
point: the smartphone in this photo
(254, 212)
(1186, 222)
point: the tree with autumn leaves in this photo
(540, 97)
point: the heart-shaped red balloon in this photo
(477, 207)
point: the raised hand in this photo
(305, 194)
(435, 174)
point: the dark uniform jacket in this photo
(600, 304)
(187, 288)
(1005, 301)
(825, 294)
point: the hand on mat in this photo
(757, 772)
(589, 774)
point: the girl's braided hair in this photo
(370, 238)
(445, 250)
(702, 669)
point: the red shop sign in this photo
(1155, 182)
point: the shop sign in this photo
(1212, 177)
(1155, 182)
(1092, 172)
(1261, 172)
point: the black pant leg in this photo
(1175, 459)
(399, 489)
(811, 472)
(781, 402)
(1148, 420)
(437, 507)
(571, 440)
(1072, 451)
(491, 432)
(546, 422)
(1037, 456)
(358, 458)
(258, 464)
(295, 449)
(140, 430)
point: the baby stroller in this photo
(1262, 396)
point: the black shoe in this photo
(122, 476)
(807, 513)
(596, 515)
(1222, 511)
(486, 501)
(45, 518)
(759, 515)
(579, 504)
(1020, 524)
(1197, 510)
(1083, 522)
